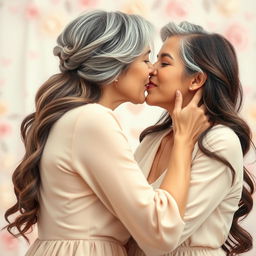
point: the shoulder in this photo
(94, 111)
(224, 142)
(97, 117)
(221, 137)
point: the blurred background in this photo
(28, 33)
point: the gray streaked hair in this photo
(99, 45)
(186, 30)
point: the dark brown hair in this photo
(222, 96)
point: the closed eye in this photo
(164, 64)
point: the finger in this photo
(197, 97)
(178, 101)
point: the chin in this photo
(138, 101)
(161, 104)
(151, 101)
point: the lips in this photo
(150, 85)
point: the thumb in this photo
(178, 101)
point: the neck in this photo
(109, 103)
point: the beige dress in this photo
(212, 200)
(93, 194)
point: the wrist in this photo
(184, 141)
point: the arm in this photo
(103, 158)
(188, 123)
(177, 182)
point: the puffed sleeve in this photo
(103, 158)
(211, 180)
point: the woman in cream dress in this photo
(189, 59)
(78, 179)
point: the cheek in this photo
(139, 78)
(138, 74)
(164, 95)
(142, 74)
(165, 74)
(132, 89)
(172, 81)
(161, 98)
(167, 90)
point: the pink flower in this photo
(5, 62)
(250, 16)
(176, 9)
(32, 11)
(55, 1)
(238, 36)
(5, 129)
(87, 3)
(33, 55)
(14, 9)
(10, 243)
(2, 82)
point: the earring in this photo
(191, 88)
(116, 81)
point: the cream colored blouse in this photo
(212, 198)
(93, 194)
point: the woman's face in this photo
(169, 75)
(131, 85)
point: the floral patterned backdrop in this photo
(28, 32)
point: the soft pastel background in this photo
(28, 32)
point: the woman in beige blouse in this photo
(78, 179)
(189, 59)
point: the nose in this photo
(152, 70)
(155, 65)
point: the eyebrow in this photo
(166, 55)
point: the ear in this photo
(197, 81)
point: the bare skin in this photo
(189, 122)
(186, 131)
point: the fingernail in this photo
(177, 93)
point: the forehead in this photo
(171, 45)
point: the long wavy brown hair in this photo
(222, 96)
(55, 97)
(94, 49)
